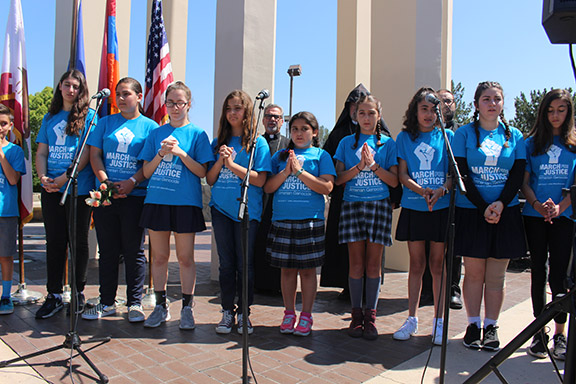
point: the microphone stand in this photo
(245, 219)
(72, 339)
(454, 173)
(562, 303)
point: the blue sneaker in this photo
(6, 306)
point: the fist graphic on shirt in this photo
(425, 153)
(492, 151)
(554, 154)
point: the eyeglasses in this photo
(179, 104)
(448, 101)
(270, 116)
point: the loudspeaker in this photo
(559, 21)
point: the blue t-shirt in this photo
(427, 162)
(226, 190)
(62, 148)
(9, 193)
(490, 163)
(294, 200)
(366, 186)
(121, 141)
(172, 183)
(549, 173)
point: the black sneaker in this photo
(80, 303)
(538, 347)
(490, 341)
(473, 337)
(559, 351)
(51, 306)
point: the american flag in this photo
(158, 67)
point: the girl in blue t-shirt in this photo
(550, 165)
(59, 138)
(225, 176)
(366, 162)
(422, 168)
(114, 147)
(491, 157)
(303, 174)
(12, 166)
(175, 157)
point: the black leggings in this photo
(544, 238)
(56, 226)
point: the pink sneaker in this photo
(304, 325)
(288, 322)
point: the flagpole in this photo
(73, 53)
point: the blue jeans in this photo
(228, 235)
(118, 234)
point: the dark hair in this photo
(483, 86)
(311, 120)
(134, 86)
(225, 129)
(77, 116)
(371, 100)
(410, 122)
(4, 110)
(542, 131)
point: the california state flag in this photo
(14, 94)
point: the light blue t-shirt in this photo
(62, 148)
(427, 162)
(226, 190)
(9, 193)
(121, 141)
(366, 186)
(549, 173)
(172, 183)
(294, 200)
(490, 163)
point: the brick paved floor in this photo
(169, 355)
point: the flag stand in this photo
(22, 295)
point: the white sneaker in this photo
(437, 332)
(158, 316)
(409, 328)
(240, 328)
(136, 314)
(98, 311)
(225, 325)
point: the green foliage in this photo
(527, 110)
(463, 114)
(323, 133)
(38, 107)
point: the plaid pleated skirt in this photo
(366, 220)
(296, 244)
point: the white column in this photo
(245, 52)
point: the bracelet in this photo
(299, 172)
(133, 179)
(161, 156)
(445, 190)
(359, 170)
(534, 202)
(377, 168)
(371, 165)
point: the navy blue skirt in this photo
(174, 218)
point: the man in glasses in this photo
(267, 278)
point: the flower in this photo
(101, 196)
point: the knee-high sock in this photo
(372, 292)
(356, 288)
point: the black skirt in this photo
(174, 218)
(422, 225)
(477, 238)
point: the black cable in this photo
(572, 60)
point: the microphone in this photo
(263, 94)
(104, 93)
(432, 99)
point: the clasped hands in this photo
(293, 166)
(366, 158)
(549, 209)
